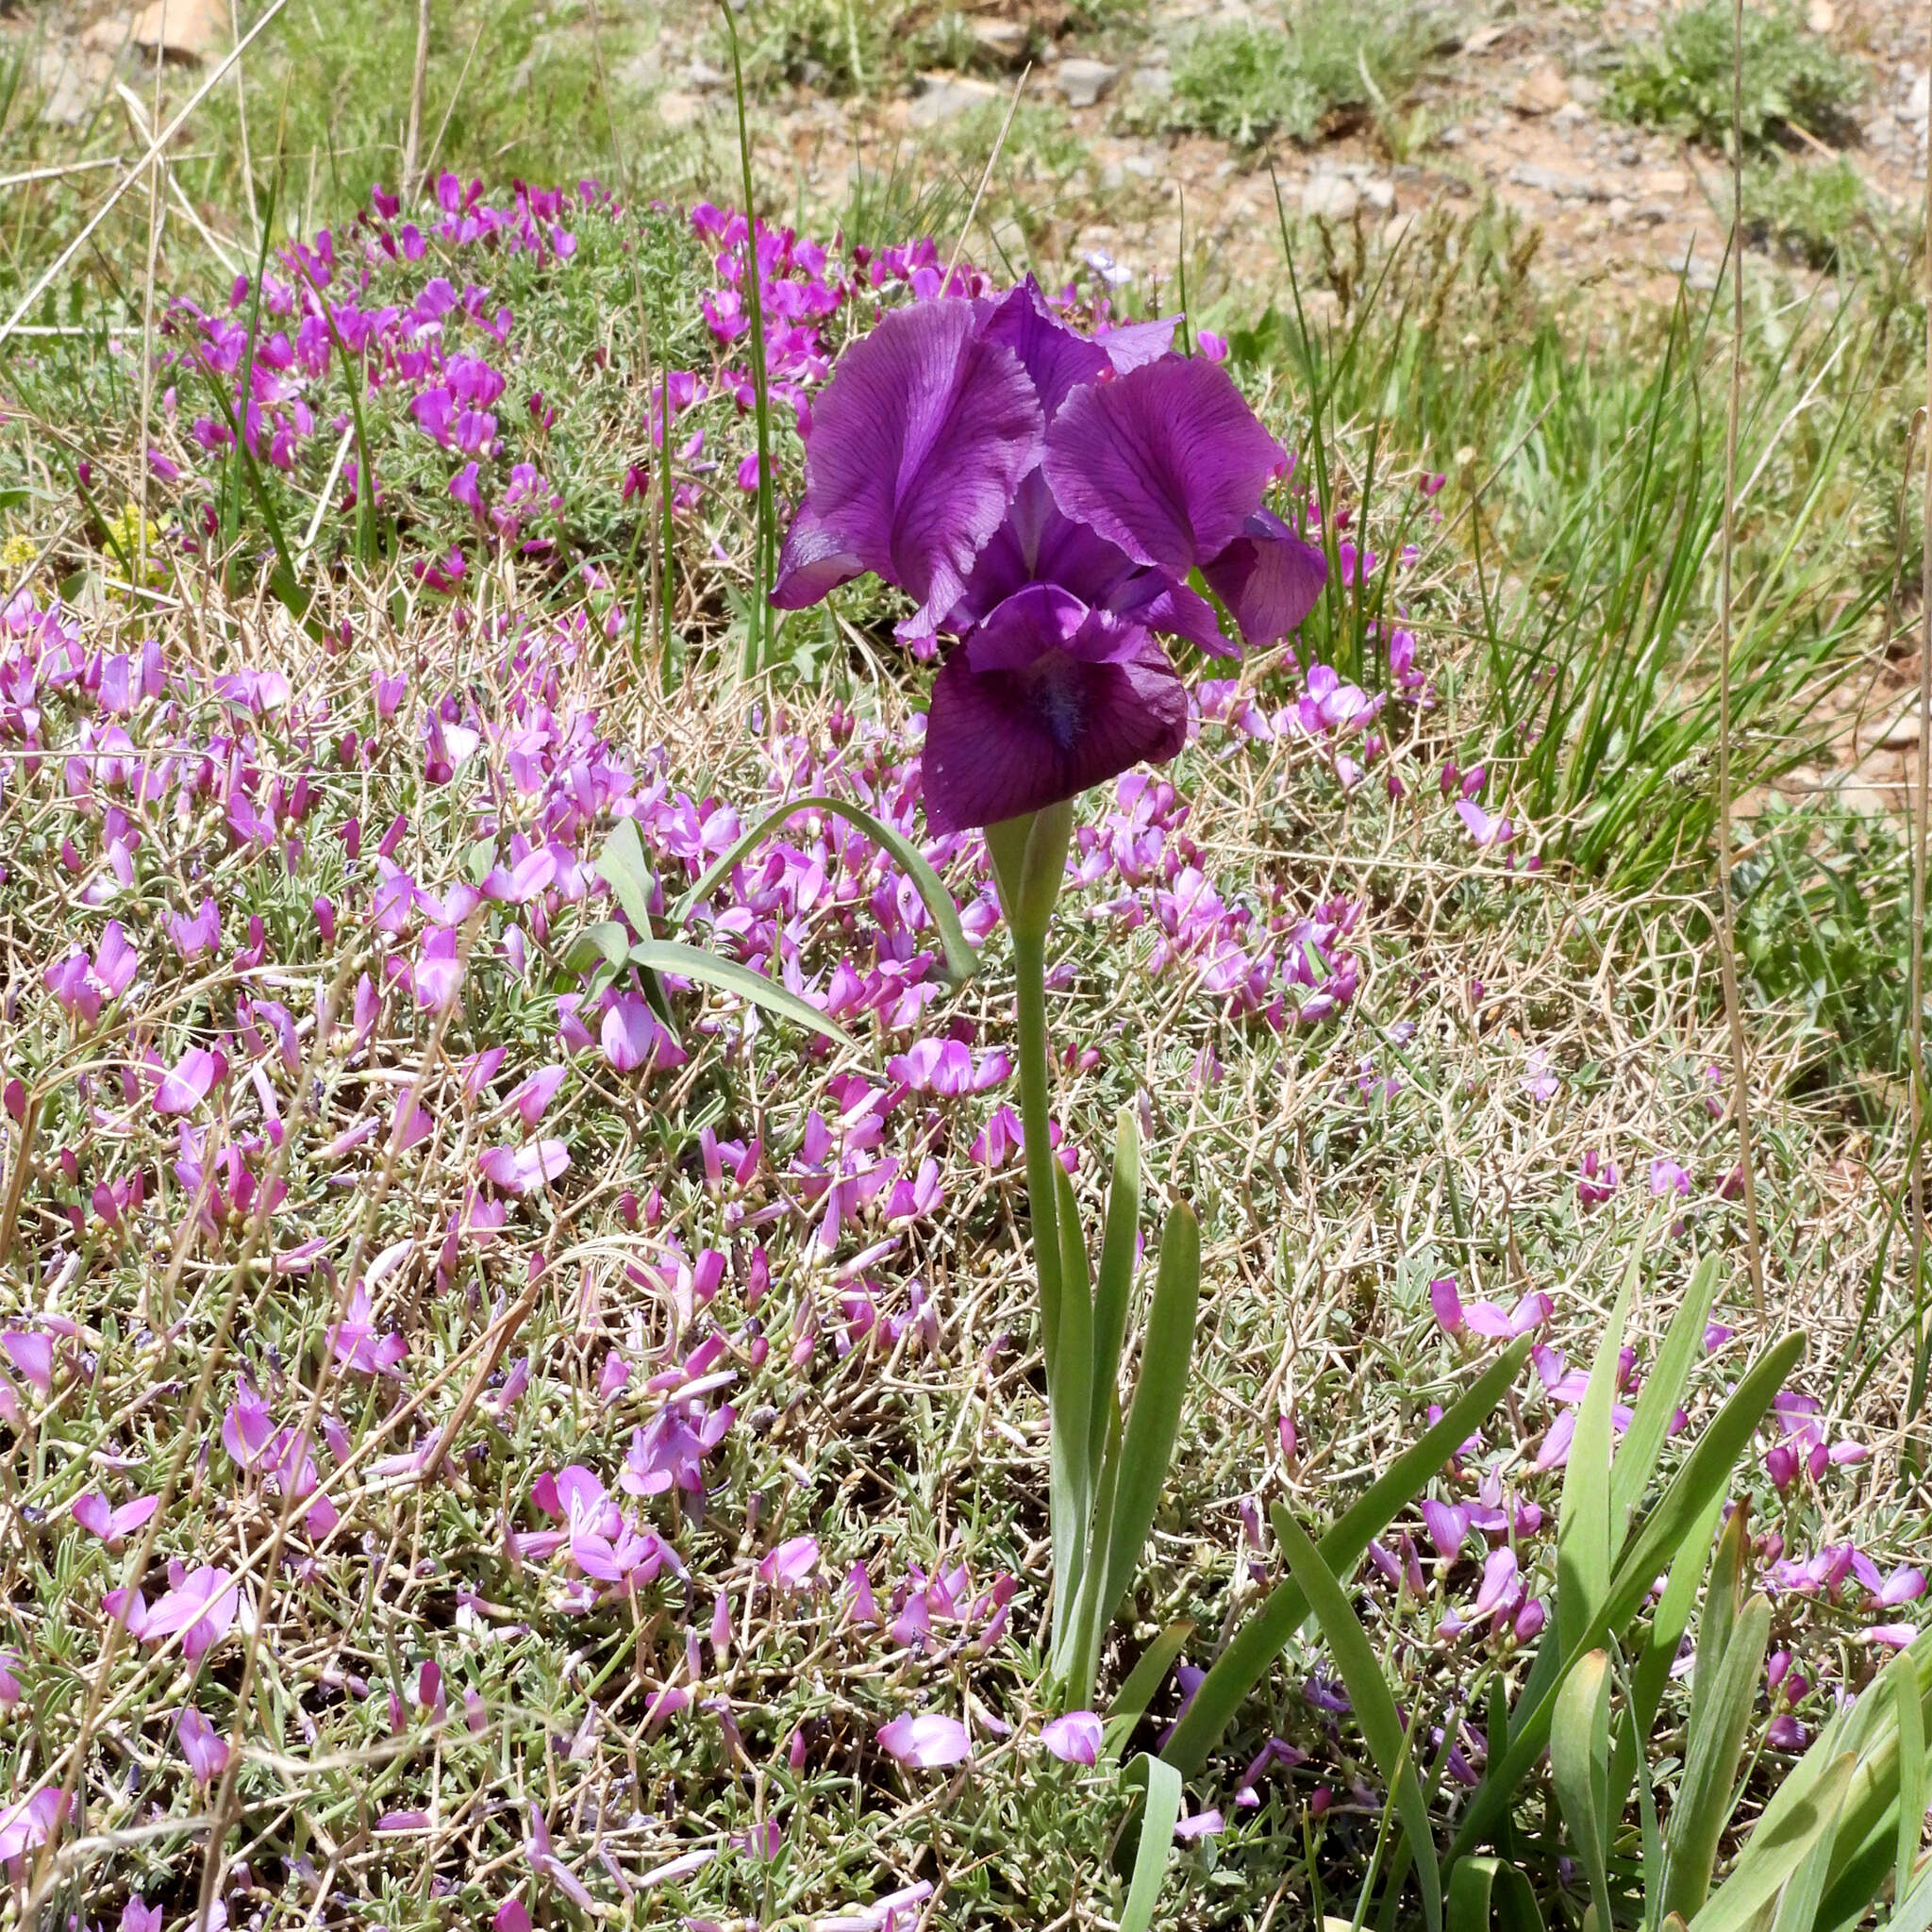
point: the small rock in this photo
(182, 29)
(1156, 83)
(1903, 731)
(1330, 197)
(1655, 216)
(675, 109)
(71, 84)
(1821, 16)
(1627, 156)
(1380, 195)
(1547, 181)
(1666, 181)
(108, 36)
(1920, 100)
(1144, 166)
(947, 97)
(1083, 82)
(1542, 91)
(1618, 212)
(704, 76)
(1004, 40)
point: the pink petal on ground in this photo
(1074, 1738)
(926, 1743)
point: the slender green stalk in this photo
(1029, 967)
(757, 620)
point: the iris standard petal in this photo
(1056, 360)
(1269, 578)
(917, 444)
(1138, 342)
(1167, 460)
(1046, 699)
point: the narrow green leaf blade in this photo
(1705, 1473)
(1723, 1601)
(1662, 1642)
(1487, 1895)
(1069, 1399)
(1774, 1854)
(1258, 1641)
(1114, 1288)
(693, 962)
(961, 960)
(1580, 1768)
(624, 868)
(1912, 1767)
(1158, 1815)
(1583, 1516)
(1154, 1420)
(1663, 1389)
(1374, 1703)
(1715, 1743)
(1131, 1700)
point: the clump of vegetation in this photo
(837, 46)
(1811, 213)
(1251, 81)
(1682, 78)
(1824, 902)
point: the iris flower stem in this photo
(1029, 862)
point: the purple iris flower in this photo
(1044, 497)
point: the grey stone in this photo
(947, 97)
(1331, 197)
(1547, 181)
(1083, 82)
(1156, 83)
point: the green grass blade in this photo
(1662, 1642)
(1258, 1641)
(1158, 1817)
(1706, 1473)
(1154, 1419)
(693, 962)
(1774, 1854)
(1114, 1289)
(1663, 1389)
(1374, 1703)
(1069, 1398)
(1708, 1789)
(1911, 1768)
(1584, 1554)
(1723, 1599)
(1487, 1895)
(622, 866)
(962, 961)
(1131, 1700)
(1580, 1770)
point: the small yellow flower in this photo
(18, 551)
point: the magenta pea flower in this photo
(1043, 497)
(202, 1746)
(927, 1741)
(32, 1355)
(186, 1084)
(524, 1170)
(1596, 1180)
(1074, 1738)
(791, 1565)
(98, 1518)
